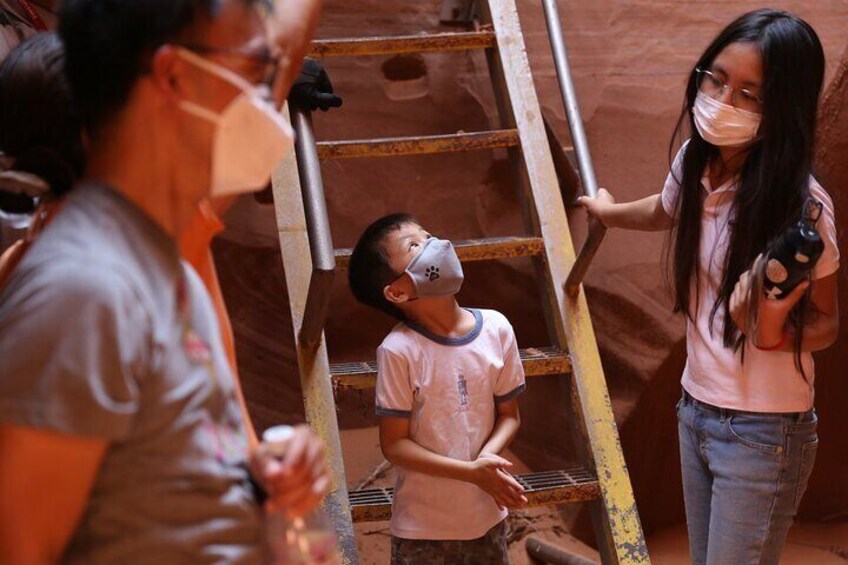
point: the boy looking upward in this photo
(448, 379)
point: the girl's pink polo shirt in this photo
(768, 381)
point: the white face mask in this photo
(251, 137)
(724, 125)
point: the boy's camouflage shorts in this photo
(487, 550)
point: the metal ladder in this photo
(310, 263)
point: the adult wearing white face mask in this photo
(121, 438)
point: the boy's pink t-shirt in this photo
(448, 389)
(768, 381)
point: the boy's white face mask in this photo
(251, 137)
(724, 125)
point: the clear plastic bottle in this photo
(306, 540)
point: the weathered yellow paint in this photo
(573, 322)
(313, 363)
(440, 42)
(416, 145)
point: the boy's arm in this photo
(506, 426)
(402, 451)
(485, 472)
(646, 214)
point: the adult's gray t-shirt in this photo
(105, 333)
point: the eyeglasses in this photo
(714, 87)
(264, 67)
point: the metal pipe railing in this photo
(581, 145)
(317, 226)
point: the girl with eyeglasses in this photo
(747, 426)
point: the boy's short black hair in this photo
(369, 271)
(110, 43)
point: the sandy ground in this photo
(808, 544)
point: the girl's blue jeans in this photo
(744, 474)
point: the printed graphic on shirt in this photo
(462, 389)
(227, 439)
(225, 434)
(197, 351)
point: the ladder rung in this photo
(417, 145)
(552, 487)
(537, 361)
(484, 249)
(420, 43)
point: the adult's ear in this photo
(165, 71)
(395, 295)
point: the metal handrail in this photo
(581, 146)
(317, 226)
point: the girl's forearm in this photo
(819, 334)
(646, 214)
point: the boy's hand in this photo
(597, 207)
(489, 473)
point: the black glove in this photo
(312, 89)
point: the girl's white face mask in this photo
(251, 137)
(724, 125)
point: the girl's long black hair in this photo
(774, 179)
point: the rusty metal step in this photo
(548, 487)
(417, 43)
(537, 361)
(416, 145)
(483, 249)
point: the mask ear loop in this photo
(221, 72)
(397, 278)
(199, 111)
(215, 69)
